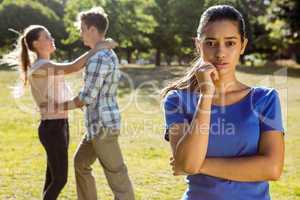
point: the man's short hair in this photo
(95, 17)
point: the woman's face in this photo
(45, 43)
(221, 45)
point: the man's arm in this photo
(72, 104)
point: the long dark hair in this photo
(212, 14)
(31, 34)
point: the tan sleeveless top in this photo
(51, 88)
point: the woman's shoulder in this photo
(177, 94)
(35, 68)
(262, 91)
(39, 63)
(171, 96)
(263, 94)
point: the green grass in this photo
(22, 157)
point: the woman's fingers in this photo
(109, 39)
(175, 172)
(209, 70)
(215, 74)
(206, 74)
(204, 66)
(112, 42)
(172, 161)
(108, 43)
(112, 45)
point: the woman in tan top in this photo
(46, 79)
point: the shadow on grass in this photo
(5, 67)
(269, 70)
(148, 79)
(151, 79)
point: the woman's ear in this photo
(244, 45)
(35, 44)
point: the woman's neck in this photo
(227, 84)
(44, 56)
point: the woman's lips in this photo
(221, 65)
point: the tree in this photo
(33, 13)
(282, 23)
(186, 16)
(55, 5)
(129, 24)
(272, 26)
(164, 38)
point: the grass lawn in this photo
(22, 157)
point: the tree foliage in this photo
(166, 27)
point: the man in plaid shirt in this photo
(99, 93)
(102, 117)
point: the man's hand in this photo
(52, 107)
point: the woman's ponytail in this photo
(25, 60)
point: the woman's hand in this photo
(206, 74)
(107, 44)
(176, 172)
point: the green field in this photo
(22, 157)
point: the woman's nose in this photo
(220, 52)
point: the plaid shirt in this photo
(99, 93)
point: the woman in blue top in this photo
(226, 136)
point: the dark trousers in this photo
(54, 136)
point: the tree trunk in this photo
(157, 58)
(69, 54)
(179, 61)
(169, 60)
(129, 52)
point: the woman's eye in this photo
(210, 43)
(230, 43)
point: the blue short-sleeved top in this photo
(234, 131)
